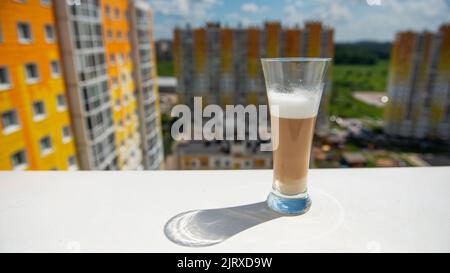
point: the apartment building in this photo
(35, 125)
(144, 56)
(91, 62)
(117, 36)
(222, 155)
(80, 31)
(222, 64)
(419, 85)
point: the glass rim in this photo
(296, 59)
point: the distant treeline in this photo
(362, 52)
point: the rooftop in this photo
(167, 82)
(358, 210)
(221, 147)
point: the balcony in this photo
(360, 210)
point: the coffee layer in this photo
(291, 157)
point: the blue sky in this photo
(353, 20)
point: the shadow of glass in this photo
(199, 228)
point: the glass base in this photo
(289, 205)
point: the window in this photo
(117, 13)
(119, 35)
(72, 162)
(227, 163)
(46, 2)
(1, 34)
(124, 77)
(32, 74)
(110, 35)
(112, 58)
(19, 160)
(39, 111)
(55, 69)
(194, 164)
(115, 82)
(46, 145)
(10, 121)
(67, 135)
(118, 103)
(49, 33)
(108, 11)
(24, 32)
(5, 81)
(217, 163)
(121, 58)
(61, 100)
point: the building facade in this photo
(35, 125)
(223, 65)
(93, 62)
(144, 56)
(221, 155)
(419, 86)
(117, 36)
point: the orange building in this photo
(419, 105)
(35, 130)
(120, 68)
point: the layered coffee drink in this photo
(292, 133)
(294, 90)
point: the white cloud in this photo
(328, 11)
(250, 7)
(239, 18)
(172, 13)
(253, 8)
(357, 20)
(351, 19)
(183, 8)
(382, 22)
(338, 12)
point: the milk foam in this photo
(299, 104)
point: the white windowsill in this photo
(11, 129)
(38, 118)
(21, 167)
(353, 210)
(61, 108)
(46, 152)
(25, 41)
(32, 81)
(66, 140)
(4, 87)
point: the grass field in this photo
(350, 78)
(166, 69)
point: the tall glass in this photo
(294, 90)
